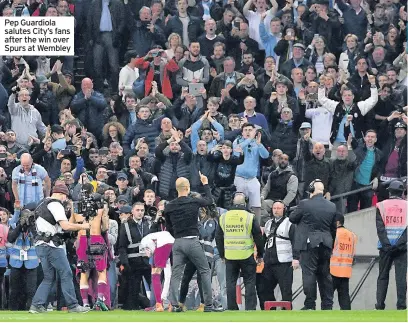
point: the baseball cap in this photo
(122, 175)
(299, 45)
(396, 186)
(305, 125)
(125, 209)
(400, 125)
(41, 79)
(122, 198)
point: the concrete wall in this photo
(362, 223)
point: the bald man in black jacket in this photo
(315, 235)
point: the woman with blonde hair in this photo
(347, 61)
(173, 41)
(113, 132)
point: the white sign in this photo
(37, 36)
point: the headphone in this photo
(311, 188)
(241, 193)
(285, 208)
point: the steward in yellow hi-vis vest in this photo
(341, 262)
(236, 235)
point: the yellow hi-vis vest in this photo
(238, 241)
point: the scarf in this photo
(207, 6)
(22, 185)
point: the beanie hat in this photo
(61, 189)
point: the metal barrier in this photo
(362, 280)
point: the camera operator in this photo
(149, 198)
(50, 250)
(159, 222)
(93, 252)
(23, 259)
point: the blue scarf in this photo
(22, 185)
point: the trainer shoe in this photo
(201, 308)
(159, 307)
(50, 308)
(183, 307)
(175, 309)
(212, 308)
(37, 309)
(102, 305)
(79, 309)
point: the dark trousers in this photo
(400, 262)
(365, 198)
(260, 289)
(341, 284)
(2, 287)
(187, 250)
(189, 272)
(23, 284)
(99, 49)
(281, 274)
(133, 282)
(315, 263)
(248, 271)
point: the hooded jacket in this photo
(25, 122)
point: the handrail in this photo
(362, 280)
(362, 189)
(297, 292)
(338, 196)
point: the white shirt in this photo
(254, 19)
(42, 225)
(127, 77)
(322, 121)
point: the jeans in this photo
(54, 258)
(185, 250)
(99, 49)
(113, 280)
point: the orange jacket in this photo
(344, 250)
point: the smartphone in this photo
(71, 147)
(154, 54)
(316, 35)
(194, 88)
(3, 155)
(78, 131)
(103, 152)
(237, 24)
(65, 152)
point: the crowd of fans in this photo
(261, 97)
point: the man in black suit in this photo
(315, 235)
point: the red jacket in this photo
(171, 66)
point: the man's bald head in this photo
(26, 161)
(182, 186)
(239, 199)
(318, 187)
(86, 84)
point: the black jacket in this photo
(144, 40)
(360, 150)
(316, 222)
(181, 214)
(137, 234)
(174, 25)
(117, 11)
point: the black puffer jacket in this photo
(174, 25)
